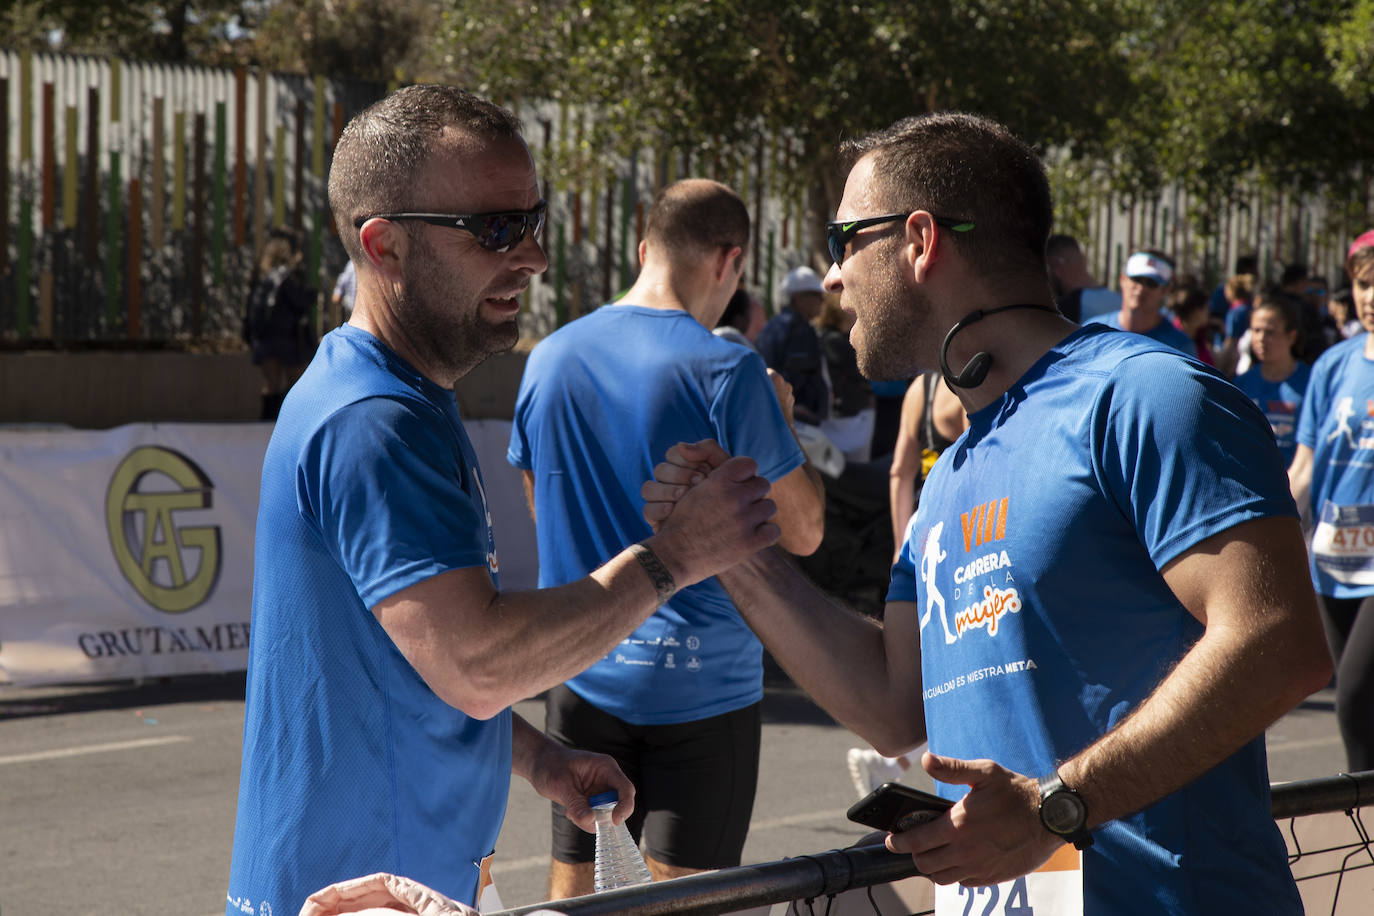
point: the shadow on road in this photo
(23, 702)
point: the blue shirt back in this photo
(1033, 561)
(351, 764)
(601, 402)
(1164, 332)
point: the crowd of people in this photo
(1101, 598)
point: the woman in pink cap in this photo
(1332, 477)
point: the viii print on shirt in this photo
(984, 591)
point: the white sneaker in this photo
(869, 769)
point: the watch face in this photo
(1063, 813)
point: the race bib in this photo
(488, 901)
(1343, 544)
(1054, 889)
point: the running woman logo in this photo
(148, 488)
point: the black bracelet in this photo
(664, 585)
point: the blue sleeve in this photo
(1237, 322)
(1183, 453)
(518, 452)
(383, 479)
(1314, 406)
(748, 420)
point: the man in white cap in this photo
(1144, 283)
(790, 346)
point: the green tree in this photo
(708, 78)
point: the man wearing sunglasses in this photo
(1112, 542)
(377, 733)
(678, 702)
(1145, 282)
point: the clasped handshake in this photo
(714, 509)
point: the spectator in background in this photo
(789, 344)
(850, 421)
(1332, 477)
(1235, 351)
(1343, 314)
(1319, 297)
(742, 319)
(345, 289)
(1189, 308)
(1277, 381)
(1145, 281)
(1293, 284)
(1220, 303)
(1076, 291)
(277, 320)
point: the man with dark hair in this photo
(742, 319)
(1122, 602)
(377, 730)
(1076, 291)
(1312, 338)
(1145, 281)
(677, 702)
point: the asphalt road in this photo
(119, 798)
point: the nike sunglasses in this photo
(838, 233)
(500, 231)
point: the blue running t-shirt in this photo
(351, 764)
(601, 402)
(1165, 332)
(1033, 561)
(1337, 423)
(1280, 402)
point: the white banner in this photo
(129, 552)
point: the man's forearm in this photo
(834, 654)
(1228, 688)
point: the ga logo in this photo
(140, 516)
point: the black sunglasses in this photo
(499, 231)
(838, 233)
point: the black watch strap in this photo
(1063, 811)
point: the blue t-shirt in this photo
(351, 764)
(1033, 562)
(1337, 423)
(602, 400)
(1164, 332)
(789, 345)
(1238, 320)
(1280, 402)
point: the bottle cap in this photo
(603, 798)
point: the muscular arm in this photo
(800, 496)
(1300, 479)
(866, 675)
(481, 650)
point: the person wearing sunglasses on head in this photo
(1100, 602)
(378, 735)
(1145, 282)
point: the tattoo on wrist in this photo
(663, 582)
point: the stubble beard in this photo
(451, 334)
(892, 327)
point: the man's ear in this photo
(725, 261)
(643, 251)
(385, 244)
(922, 246)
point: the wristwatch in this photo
(1063, 811)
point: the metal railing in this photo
(827, 874)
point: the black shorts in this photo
(694, 781)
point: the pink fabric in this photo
(1364, 241)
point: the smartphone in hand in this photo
(894, 807)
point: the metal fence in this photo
(135, 197)
(821, 877)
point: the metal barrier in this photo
(827, 874)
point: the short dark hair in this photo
(697, 215)
(968, 168)
(1059, 244)
(1292, 274)
(1247, 264)
(1185, 302)
(385, 146)
(736, 313)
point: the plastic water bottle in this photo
(618, 862)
